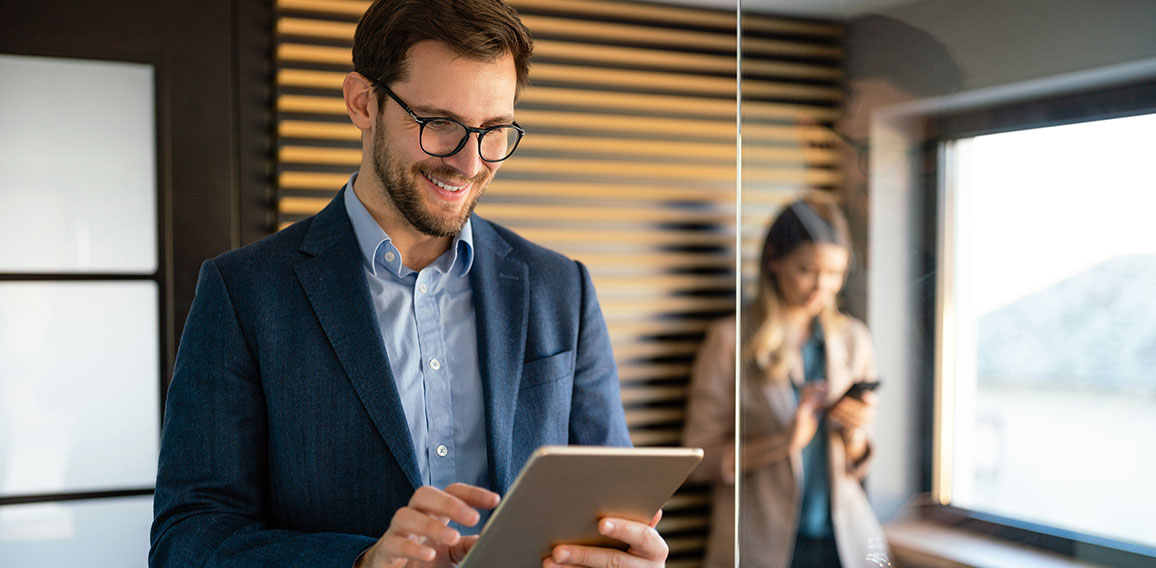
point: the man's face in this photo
(437, 195)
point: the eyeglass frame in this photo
(481, 132)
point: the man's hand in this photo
(647, 548)
(418, 534)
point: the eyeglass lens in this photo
(444, 137)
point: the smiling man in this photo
(360, 388)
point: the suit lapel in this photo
(501, 303)
(334, 282)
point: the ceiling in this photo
(836, 9)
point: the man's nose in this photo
(467, 161)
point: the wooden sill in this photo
(922, 544)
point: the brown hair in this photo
(813, 219)
(483, 30)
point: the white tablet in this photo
(563, 491)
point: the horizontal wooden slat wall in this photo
(628, 166)
(792, 92)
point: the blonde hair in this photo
(814, 218)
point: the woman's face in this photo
(811, 276)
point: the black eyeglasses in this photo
(441, 136)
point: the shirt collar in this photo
(371, 237)
(463, 247)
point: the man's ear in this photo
(358, 93)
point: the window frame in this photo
(158, 276)
(1118, 100)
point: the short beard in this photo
(401, 189)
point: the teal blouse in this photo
(815, 515)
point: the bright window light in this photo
(77, 166)
(1053, 292)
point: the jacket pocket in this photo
(547, 369)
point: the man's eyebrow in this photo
(432, 112)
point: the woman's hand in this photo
(808, 414)
(854, 414)
(853, 417)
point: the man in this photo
(348, 388)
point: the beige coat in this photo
(770, 494)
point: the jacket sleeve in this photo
(863, 365)
(596, 414)
(710, 411)
(210, 490)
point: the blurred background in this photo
(993, 161)
(1002, 258)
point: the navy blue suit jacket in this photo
(284, 439)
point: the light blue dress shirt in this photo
(430, 332)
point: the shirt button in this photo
(389, 256)
(435, 364)
(422, 288)
(442, 450)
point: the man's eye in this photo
(441, 125)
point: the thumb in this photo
(458, 552)
(810, 403)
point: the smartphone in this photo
(856, 390)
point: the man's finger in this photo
(474, 496)
(395, 547)
(437, 503)
(647, 549)
(568, 555)
(654, 521)
(408, 521)
(458, 552)
(644, 541)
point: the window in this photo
(79, 310)
(1048, 329)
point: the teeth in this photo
(443, 185)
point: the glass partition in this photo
(993, 264)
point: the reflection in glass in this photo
(803, 449)
(79, 386)
(915, 73)
(77, 166)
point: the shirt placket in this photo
(437, 379)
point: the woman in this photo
(805, 448)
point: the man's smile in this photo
(445, 185)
